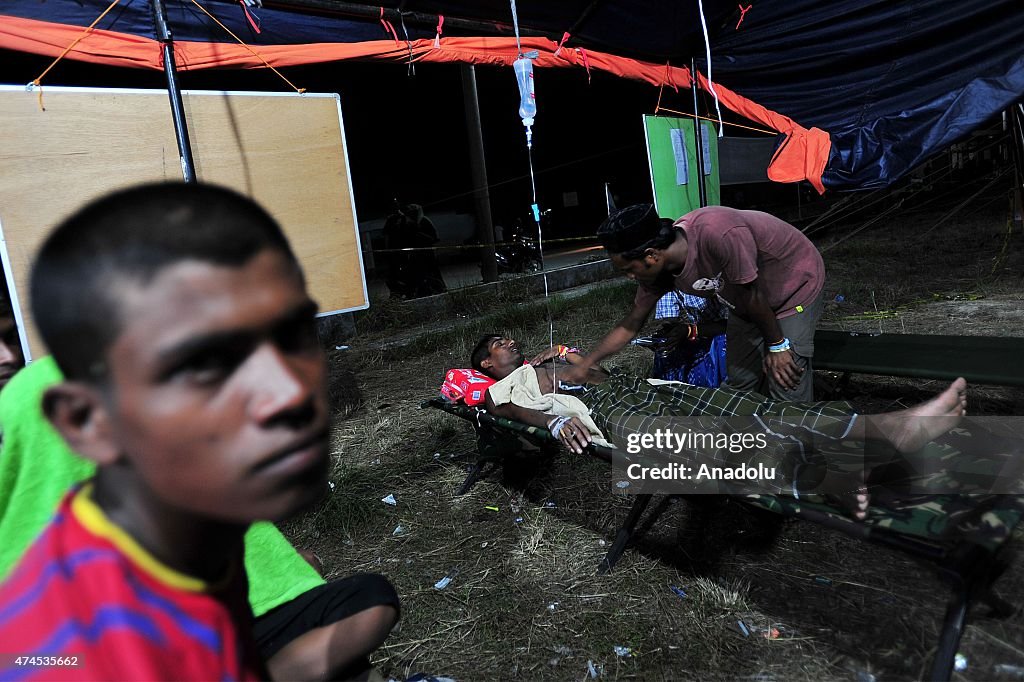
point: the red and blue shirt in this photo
(87, 602)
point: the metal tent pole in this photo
(698, 138)
(478, 165)
(163, 34)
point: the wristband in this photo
(556, 425)
(565, 350)
(779, 347)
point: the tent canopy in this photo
(863, 91)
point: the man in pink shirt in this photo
(768, 273)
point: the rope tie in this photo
(661, 88)
(38, 82)
(565, 37)
(410, 66)
(743, 13)
(254, 52)
(724, 123)
(437, 38)
(586, 62)
(253, 20)
(669, 78)
(389, 27)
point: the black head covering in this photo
(630, 228)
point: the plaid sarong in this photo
(800, 433)
(804, 442)
(624, 396)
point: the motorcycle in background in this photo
(520, 256)
(519, 253)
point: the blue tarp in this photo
(892, 82)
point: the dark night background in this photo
(406, 134)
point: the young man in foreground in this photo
(194, 380)
(297, 614)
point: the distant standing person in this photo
(425, 276)
(397, 236)
(764, 269)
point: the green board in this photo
(672, 155)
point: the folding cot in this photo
(997, 360)
(961, 537)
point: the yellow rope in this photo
(256, 54)
(715, 120)
(661, 90)
(38, 80)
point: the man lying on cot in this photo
(620, 405)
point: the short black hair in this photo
(630, 231)
(482, 351)
(128, 237)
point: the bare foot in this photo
(849, 492)
(856, 503)
(909, 430)
(853, 501)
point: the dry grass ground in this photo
(525, 601)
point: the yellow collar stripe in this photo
(96, 522)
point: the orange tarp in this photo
(802, 155)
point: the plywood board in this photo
(285, 150)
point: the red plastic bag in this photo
(467, 385)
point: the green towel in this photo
(37, 468)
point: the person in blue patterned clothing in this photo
(695, 332)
